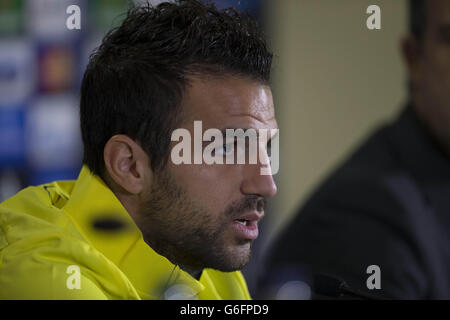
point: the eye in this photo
(227, 148)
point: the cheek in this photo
(211, 186)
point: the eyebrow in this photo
(245, 129)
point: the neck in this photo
(194, 272)
(162, 247)
(172, 253)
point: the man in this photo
(135, 225)
(388, 205)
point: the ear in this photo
(127, 164)
(412, 56)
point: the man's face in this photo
(192, 210)
(431, 77)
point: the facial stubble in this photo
(176, 227)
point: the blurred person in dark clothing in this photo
(389, 204)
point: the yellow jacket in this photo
(50, 249)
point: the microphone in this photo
(330, 286)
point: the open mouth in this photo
(246, 227)
(242, 221)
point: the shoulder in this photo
(372, 182)
(43, 202)
(43, 257)
(33, 213)
(56, 265)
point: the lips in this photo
(246, 226)
(250, 217)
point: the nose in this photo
(256, 183)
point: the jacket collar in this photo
(107, 226)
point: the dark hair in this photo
(417, 18)
(135, 80)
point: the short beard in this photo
(178, 229)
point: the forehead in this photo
(228, 102)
